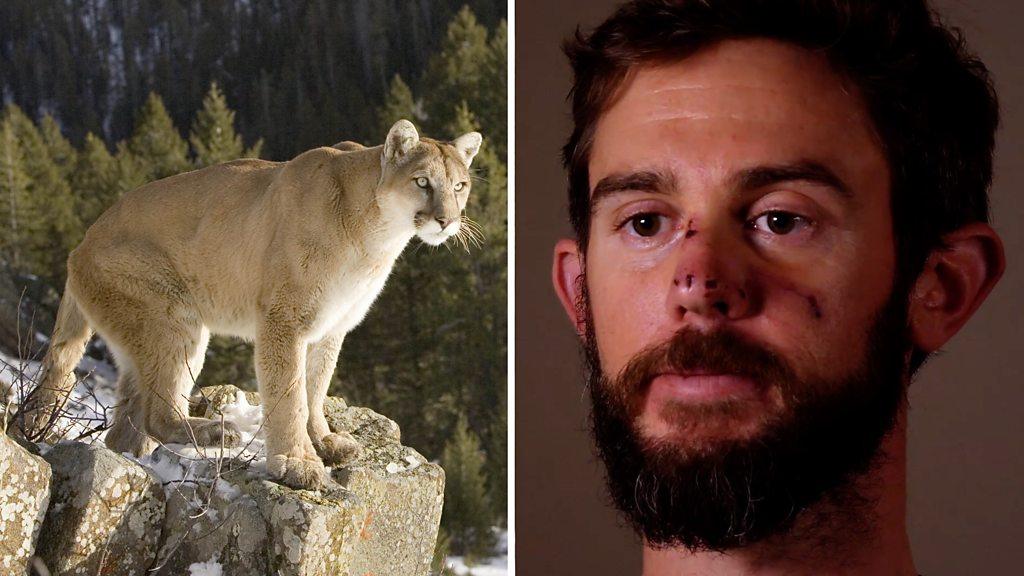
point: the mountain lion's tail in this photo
(71, 333)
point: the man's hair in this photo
(931, 101)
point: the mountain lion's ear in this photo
(468, 145)
(401, 138)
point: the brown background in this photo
(967, 421)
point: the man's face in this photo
(740, 262)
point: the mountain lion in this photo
(288, 254)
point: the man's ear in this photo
(955, 280)
(401, 139)
(566, 275)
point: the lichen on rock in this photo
(24, 496)
(106, 513)
(202, 524)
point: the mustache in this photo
(689, 350)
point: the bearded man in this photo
(780, 209)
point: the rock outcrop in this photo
(105, 516)
(387, 503)
(180, 506)
(403, 493)
(229, 530)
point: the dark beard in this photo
(734, 493)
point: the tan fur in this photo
(290, 255)
(348, 146)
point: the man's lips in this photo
(700, 387)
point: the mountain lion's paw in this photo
(338, 448)
(210, 433)
(297, 473)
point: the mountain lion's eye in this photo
(422, 182)
(460, 186)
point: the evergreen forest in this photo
(102, 96)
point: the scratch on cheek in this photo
(815, 309)
(812, 300)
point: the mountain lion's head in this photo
(426, 181)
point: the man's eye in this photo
(647, 224)
(779, 222)
(422, 182)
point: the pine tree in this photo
(50, 222)
(398, 104)
(493, 109)
(483, 304)
(438, 564)
(497, 460)
(213, 134)
(130, 171)
(458, 71)
(14, 183)
(94, 181)
(467, 512)
(156, 144)
(61, 151)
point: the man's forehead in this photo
(737, 103)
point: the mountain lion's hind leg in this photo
(280, 370)
(128, 434)
(321, 359)
(145, 317)
(168, 355)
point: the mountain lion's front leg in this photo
(321, 360)
(280, 370)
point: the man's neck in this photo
(861, 532)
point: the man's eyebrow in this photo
(804, 170)
(642, 181)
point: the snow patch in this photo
(496, 565)
(90, 403)
(211, 568)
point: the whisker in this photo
(472, 225)
(467, 240)
(473, 232)
(471, 239)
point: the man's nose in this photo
(710, 282)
